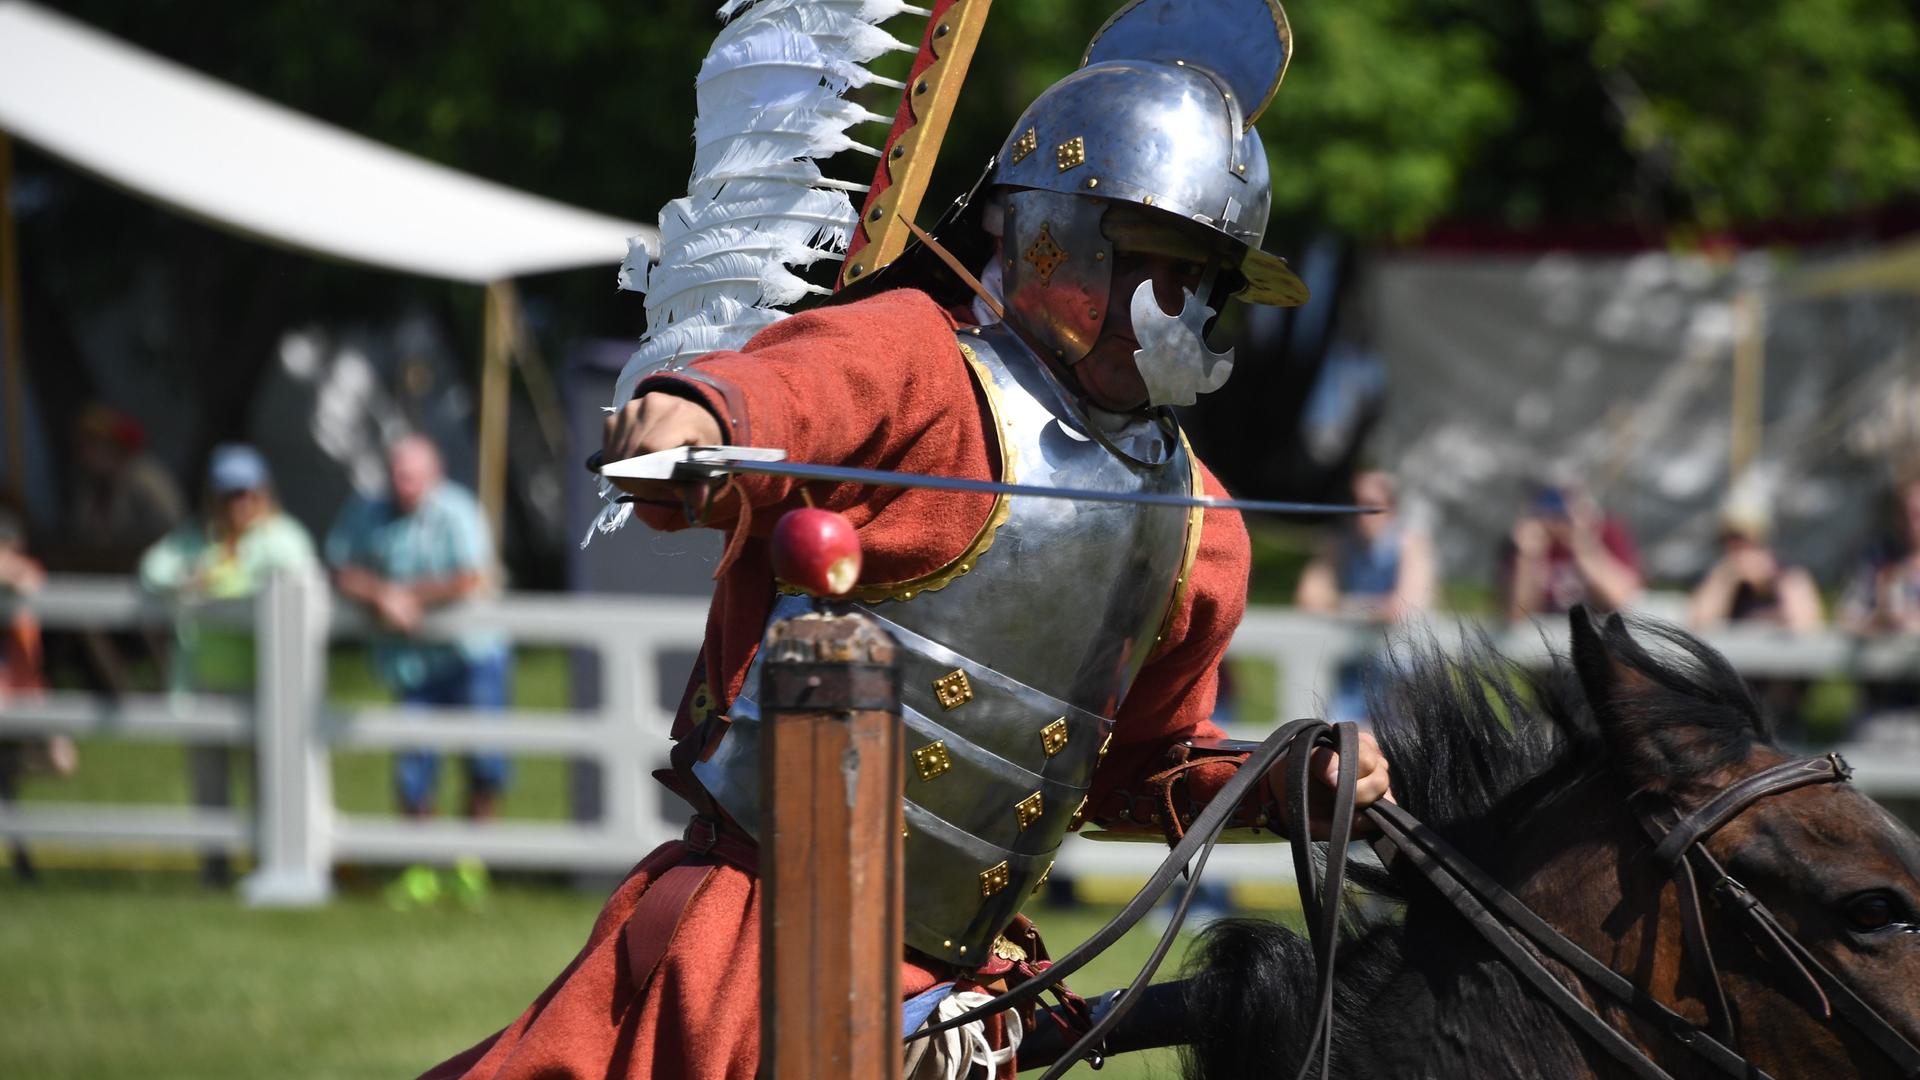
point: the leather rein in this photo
(1500, 918)
(1509, 926)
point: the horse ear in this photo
(1602, 675)
(1613, 688)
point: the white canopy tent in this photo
(188, 142)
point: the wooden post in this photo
(13, 390)
(496, 340)
(830, 797)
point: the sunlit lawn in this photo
(113, 974)
(126, 966)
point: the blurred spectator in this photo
(1564, 551)
(1884, 595)
(229, 556)
(1378, 566)
(426, 544)
(1748, 584)
(21, 674)
(1884, 599)
(121, 501)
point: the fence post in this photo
(630, 692)
(293, 802)
(830, 797)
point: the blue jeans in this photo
(475, 684)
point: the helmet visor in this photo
(1270, 281)
(1263, 278)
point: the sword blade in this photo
(706, 463)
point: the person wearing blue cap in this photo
(241, 540)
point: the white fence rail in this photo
(297, 834)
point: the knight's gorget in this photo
(1014, 662)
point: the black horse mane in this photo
(1476, 739)
(1476, 743)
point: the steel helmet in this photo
(1159, 118)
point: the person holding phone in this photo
(1564, 550)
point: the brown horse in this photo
(1534, 779)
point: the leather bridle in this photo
(1509, 927)
(1498, 916)
(1319, 892)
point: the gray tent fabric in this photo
(1507, 369)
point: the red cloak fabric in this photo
(879, 383)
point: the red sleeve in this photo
(877, 384)
(1174, 695)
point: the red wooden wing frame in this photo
(920, 125)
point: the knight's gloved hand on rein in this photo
(1371, 784)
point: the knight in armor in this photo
(1059, 659)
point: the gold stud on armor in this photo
(701, 706)
(1026, 144)
(1027, 810)
(953, 690)
(931, 760)
(994, 878)
(1053, 737)
(1107, 744)
(1079, 814)
(1046, 255)
(1042, 883)
(1070, 153)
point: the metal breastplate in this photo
(1015, 659)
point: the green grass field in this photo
(128, 967)
(115, 974)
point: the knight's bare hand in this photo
(1371, 784)
(649, 424)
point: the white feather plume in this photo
(771, 102)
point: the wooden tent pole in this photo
(1749, 373)
(495, 361)
(14, 386)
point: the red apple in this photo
(816, 550)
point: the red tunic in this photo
(875, 384)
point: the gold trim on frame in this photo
(1196, 517)
(983, 540)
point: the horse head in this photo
(1839, 876)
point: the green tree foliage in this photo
(1383, 112)
(1395, 113)
(1767, 109)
